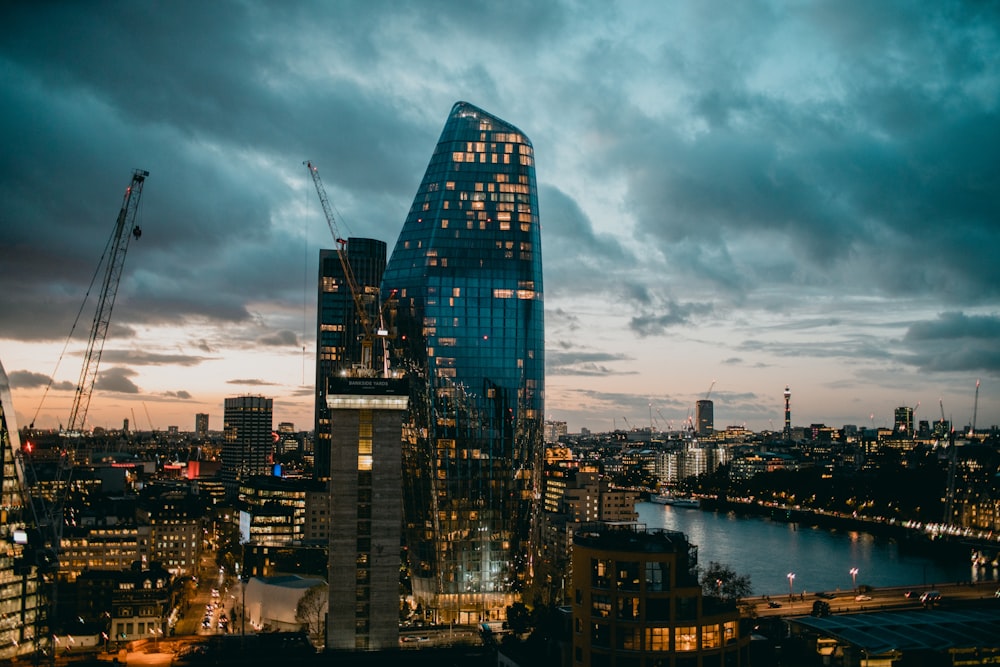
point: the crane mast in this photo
(125, 228)
(367, 328)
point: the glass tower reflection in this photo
(467, 268)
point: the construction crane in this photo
(710, 388)
(46, 518)
(125, 229)
(975, 410)
(368, 330)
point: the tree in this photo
(311, 610)
(720, 581)
(518, 618)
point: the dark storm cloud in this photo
(882, 175)
(116, 379)
(955, 342)
(670, 313)
(571, 361)
(282, 338)
(577, 257)
(181, 394)
(140, 358)
(29, 380)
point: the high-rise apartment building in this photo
(338, 326)
(467, 268)
(366, 476)
(247, 440)
(20, 622)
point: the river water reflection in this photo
(821, 559)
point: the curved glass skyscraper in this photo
(467, 268)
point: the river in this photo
(821, 559)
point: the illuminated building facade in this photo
(636, 601)
(247, 440)
(339, 329)
(20, 603)
(467, 267)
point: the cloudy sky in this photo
(748, 194)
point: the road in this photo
(885, 598)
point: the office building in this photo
(467, 270)
(636, 600)
(247, 440)
(904, 421)
(704, 411)
(366, 416)
(338, 327)
(23, 617)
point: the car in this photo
(862, 598)
(773, 605)
(930, 597)
(821, 608)
(825, 596)
(911, 594)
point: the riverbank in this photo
(912, 540)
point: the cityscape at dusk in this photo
(733, 198)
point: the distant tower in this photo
(201, 424)
(788, 413)
(704, 411)
(247, 440)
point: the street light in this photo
(854, 578)
(791, 579)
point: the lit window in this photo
(686, 638)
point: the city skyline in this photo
(755, 196)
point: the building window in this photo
(657, 576)
(657, 639)
(628, 609)
(600, 635)
(600, 606)
(600, 572)
(628, 575)
(687, 609)
(710, 636)
(686, 638)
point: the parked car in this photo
(862, 598)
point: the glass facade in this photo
(467, 270)
(21, 617)
(338, 328)
(247, 440)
